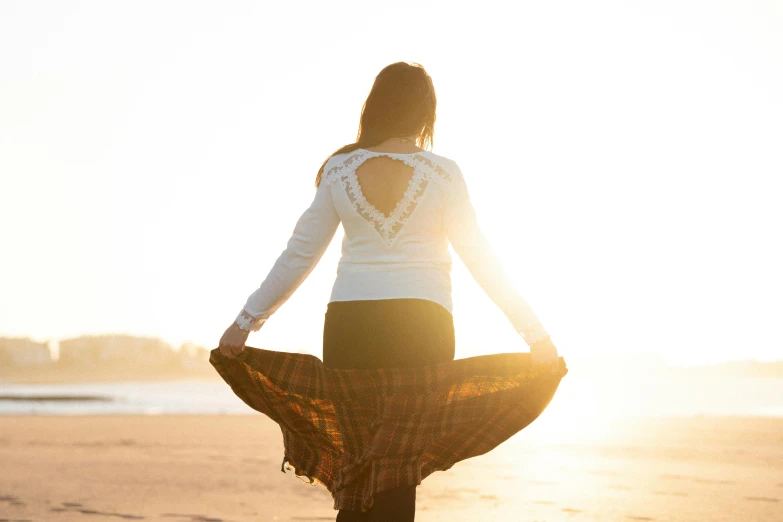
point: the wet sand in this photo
(227, 468)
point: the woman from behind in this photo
(389, 319)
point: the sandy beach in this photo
(227, 468)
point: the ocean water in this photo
(578, 397)
(150, 398)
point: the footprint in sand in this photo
(75, 507)
(713, 481)
(109, 514)
(763, 499)
(11, 500)
(633, 517)
(194, 518)
(448, 495)
(571, 510)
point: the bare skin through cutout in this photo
(383, 181)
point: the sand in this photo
(227, 468)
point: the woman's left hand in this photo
(233, 341)
(544, 354)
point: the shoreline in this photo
(52, 376)
(203, 371)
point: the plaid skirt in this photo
(362, 431)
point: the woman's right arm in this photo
(476, 253)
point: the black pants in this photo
(387, 333)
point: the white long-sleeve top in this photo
(402, 255)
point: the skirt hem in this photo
(360, 432)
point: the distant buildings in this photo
(116, 350)
(103, 352)
(23, 352)
(101, 358)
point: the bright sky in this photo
(624, 157)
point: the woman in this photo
(389, 404)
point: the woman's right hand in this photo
(233, 341)
(543, 352)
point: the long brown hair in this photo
(401, 103)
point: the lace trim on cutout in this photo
(249, 323)
(388, 227)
